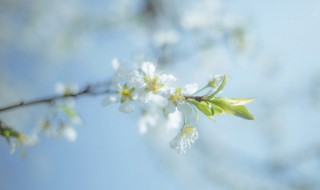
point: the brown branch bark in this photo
(88, 90)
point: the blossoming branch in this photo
(144, 87)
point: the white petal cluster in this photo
(142, 84)
(162, 104)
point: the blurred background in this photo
(269, 50)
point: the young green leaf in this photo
(223, 83)
(204, 107)
(237, 101)
(227, 107)
(67, 110)
(216, 110)
(243, 112)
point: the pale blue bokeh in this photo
(110, 153)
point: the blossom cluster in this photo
(61, 122)
(150, 89)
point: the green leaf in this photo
(243, 112)
(229, 108)
(8, 132)
(69, 111)
(223, 83)
(204, 107)
(237, 101)
(216, 110)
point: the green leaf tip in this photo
(233, 106)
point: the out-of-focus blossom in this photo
(166, 37)
(66, 89)
(68, 132)
(126, 96)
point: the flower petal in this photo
(164, 78)
(145, 97)
(115, 64)
(109, 100)
(127, 107)
(190, 89)
(170, 108)
(60, 88)
(148, 68)
(182, 142)
(187, 112)
(174, 120)
(70, 134)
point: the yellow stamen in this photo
(188, 130)
(152, 84)
(125, 92)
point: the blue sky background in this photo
(276, 151)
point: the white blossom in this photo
(177, 101)
(188, 135)
(125, 95)
(68, 132)
(149, 83)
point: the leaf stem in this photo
(200, 90)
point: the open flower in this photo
(148, 82)
(126, 96)
(188, 135)
(177, 100)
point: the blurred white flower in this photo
(29, 140)
(174, 120)
(188, 135)
(156, 118)
(76, 120)
(66, 89)
(194, 21)
(147, 120)
(68, 132)
(167, 37)
(23, 140)
(126, 96)
(122, 73)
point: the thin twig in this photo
(88, 90)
